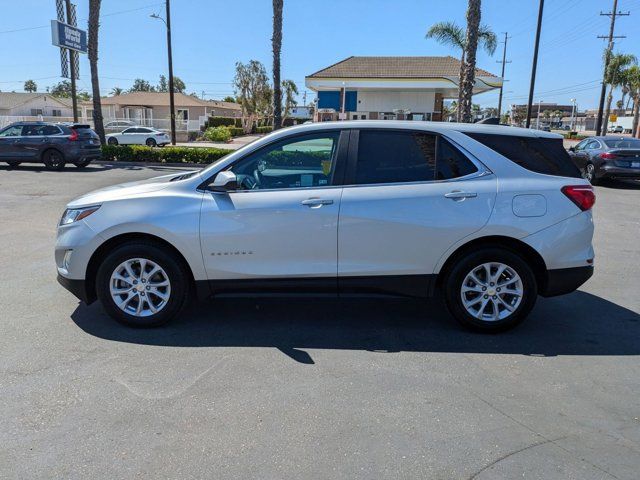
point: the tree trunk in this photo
(471, 44)
(276, 44)
(460, 79)
(635, 130)
(94, 25)
(607, 111)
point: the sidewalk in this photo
(234, 144)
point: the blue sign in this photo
(66, 36)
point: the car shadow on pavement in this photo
(619, 184)
(96, 168)
(577, 324)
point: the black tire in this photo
(151, 142)
(590, 171)
(13, 163)
(176, 270)
(82, 164)
(454, 280)
(112, 141)
(53, 160)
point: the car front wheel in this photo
(112, 141)
(490, 290)
(142, 284)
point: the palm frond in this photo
(447, 33)
(488, 39)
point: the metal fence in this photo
(160, 124)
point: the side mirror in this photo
(572, 149)
(224, 182)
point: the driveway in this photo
(311, 388)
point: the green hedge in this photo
(140, 153)
(223, 121)
(236, 131)
(264, 129)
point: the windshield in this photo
(623, 143)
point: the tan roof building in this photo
(148, 108)
(391, 87)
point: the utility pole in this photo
(573, 112)
(172, 104)
(607, 57)
(538, 117)
(504, 62)
(72, 66)
(535, 64)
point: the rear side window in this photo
(399, 157)
(540, 155)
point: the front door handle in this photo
(316, 202)
(458, 195)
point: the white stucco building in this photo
(390, 88)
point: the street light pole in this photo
(538, 117)
(573, 111)
(535, 64)
(172, 106)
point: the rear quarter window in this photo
(540, 155)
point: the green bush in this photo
(218, 134)
(139, 153)
(220, 121)
(264, 129)
(236, 131)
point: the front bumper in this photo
(78, 288)
(565, 280)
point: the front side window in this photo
(14, 131)
(302, 161)
(398, 157)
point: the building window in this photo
(56, 113)
(183, 114)
(36, 111)
(354, 117)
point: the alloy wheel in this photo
(491, 291)
(589, 171)
(140, 287)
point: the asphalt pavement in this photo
(310, 388)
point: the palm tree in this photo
(469, 72)
(115, 91)
(30, 86)
(448, 33)
(615, 75)
(633, 81)
(276, 45)
(94, 25)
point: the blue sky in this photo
(209, 36)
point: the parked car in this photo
(616, 129)
(605, 157)
(139, 136)
(54, 144)
(118, 125)
(491, 216)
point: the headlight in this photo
(71, 215)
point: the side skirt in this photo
(420, 286)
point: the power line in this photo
(607, 57)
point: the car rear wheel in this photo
(53, 160)
(490, 290)
(82, 164)
(13, 163)
(151, 142)
(112, 141)
(142, 284)
(590, 173)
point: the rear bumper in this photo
(611, 171)
(565, 280)
(77, 287)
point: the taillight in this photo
(74, 135)
(582, 195)
(608, 156)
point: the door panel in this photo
(404, 229)
(271, 233)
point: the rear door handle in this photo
(316, 202)
(457, 194)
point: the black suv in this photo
(54, 144)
